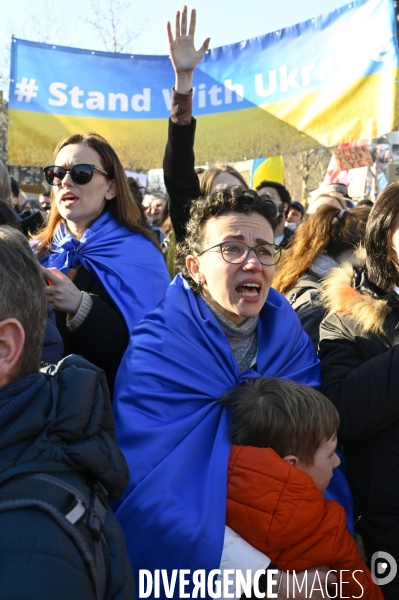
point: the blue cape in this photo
(174, 432)
(127, 264)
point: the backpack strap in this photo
(82, 520)
(293, 297)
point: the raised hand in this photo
(183, 54)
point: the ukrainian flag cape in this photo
(174, 432)
(127, 264)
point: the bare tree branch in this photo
(311, 166)
(110, 20)
(47, 18)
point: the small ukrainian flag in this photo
(270, 168)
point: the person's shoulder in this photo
(76, 386)
(288, 233)
(278, 302)
(305, 291)
(72, 364)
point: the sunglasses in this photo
(80, 174)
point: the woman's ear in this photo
(291, 459)
(111, 191)
(193, 268)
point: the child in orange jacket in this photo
(281, 462)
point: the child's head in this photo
(296, 421)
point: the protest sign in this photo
(352, 157)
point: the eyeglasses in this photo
(80, 174)
(237, 252)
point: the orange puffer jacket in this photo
(277, 509)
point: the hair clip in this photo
(341, 213)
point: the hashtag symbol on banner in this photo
(26, 90)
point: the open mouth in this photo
(251, 290)
(69, 198)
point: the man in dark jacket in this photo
(58, 423)
(282, 197)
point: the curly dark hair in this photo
(378, 238)
(232, 199)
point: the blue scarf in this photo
(127, 264)
(174, 432)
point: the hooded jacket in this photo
(359, 355)
(66, 429)
(277, 509)
(304, 297)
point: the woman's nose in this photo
(67, 179)
(252, 262)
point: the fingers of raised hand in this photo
(193, 21)
(177, 24)
(183, 30)
(169, 31)
(204, 47)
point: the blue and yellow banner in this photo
(328, 80)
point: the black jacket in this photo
(103, 336)
(288, 233)
(181, 180)
(359, 355)
(65, 429)
(304, 298)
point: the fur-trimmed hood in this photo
(367, 308)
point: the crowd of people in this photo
(199, 382)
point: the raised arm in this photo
(180, 177)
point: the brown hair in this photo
(378, 239)
(206, 177)
(123, 206)
(322, 232)
(22, 296)
(233, 199)
(282, 415)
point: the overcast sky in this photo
(225, 21)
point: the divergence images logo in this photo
(383, 568)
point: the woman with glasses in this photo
(219, 323)
(359, 353)
(103, 266)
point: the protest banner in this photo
(327, 80)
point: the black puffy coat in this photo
(66, 429)
(359, 353)
(304, 298)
